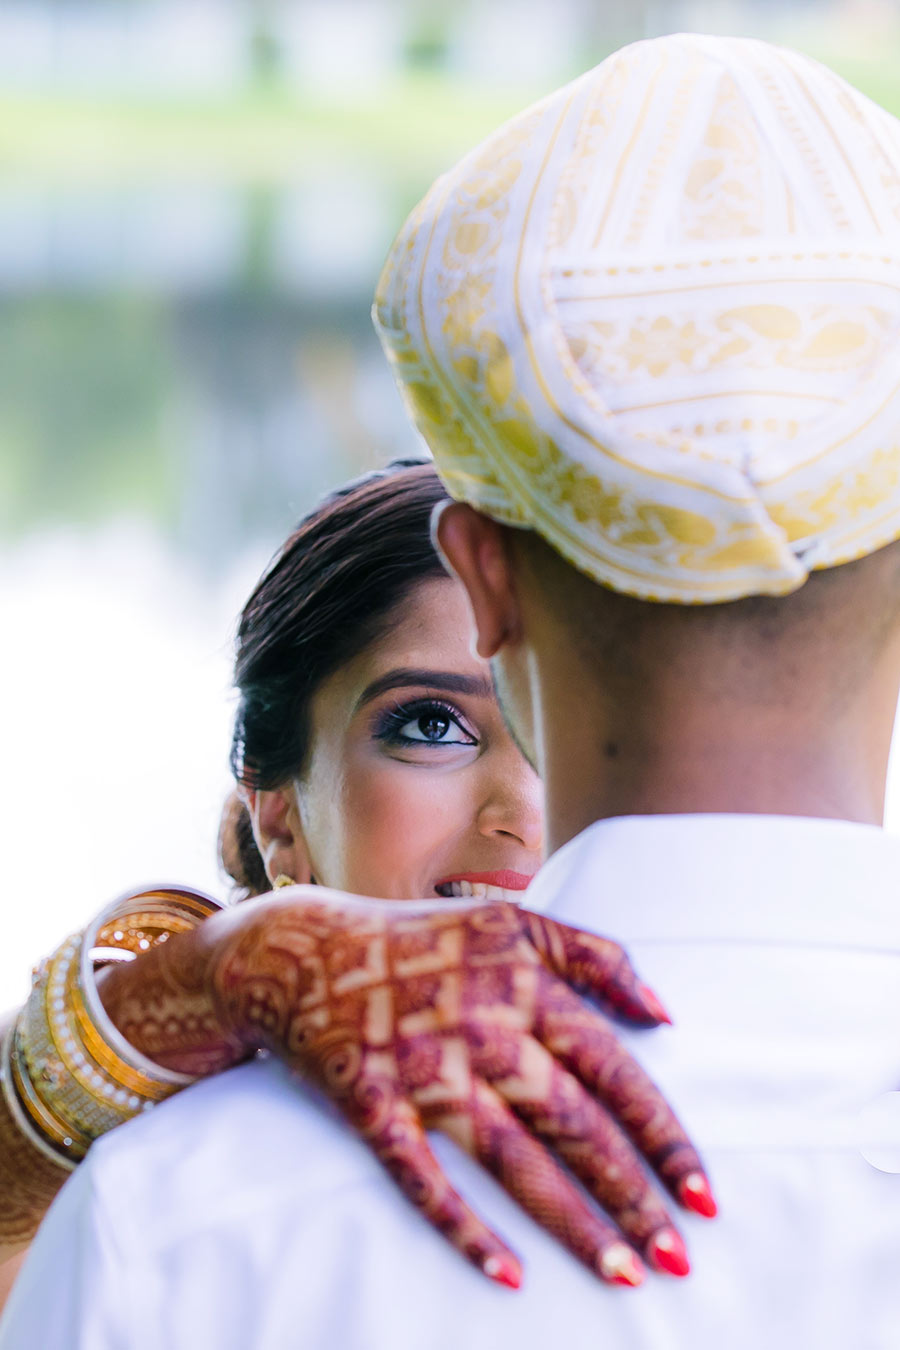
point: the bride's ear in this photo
(278, 831)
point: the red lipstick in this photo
(510, 881)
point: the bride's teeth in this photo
(501, 893)
(478, 890)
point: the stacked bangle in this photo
(68, 1074)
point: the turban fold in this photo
(656, 318)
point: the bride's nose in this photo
(513, 806)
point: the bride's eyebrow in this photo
(443, 680)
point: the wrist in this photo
(161, 1004)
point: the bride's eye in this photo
(437, 727)
(423, 723)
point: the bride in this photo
(371, 758)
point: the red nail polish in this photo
(695, 1194)
(653, 1005)
(667, 1252)
(503, 1270)
(619, 1265)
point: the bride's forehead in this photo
(430, 629)
(432, 618)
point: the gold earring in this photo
(283, 880)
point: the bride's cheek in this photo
(383, 807)
(411, 814)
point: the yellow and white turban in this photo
(656, 317)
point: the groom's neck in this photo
(695, 737)
(676, 760)
(773, 705)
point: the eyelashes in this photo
(422, 722)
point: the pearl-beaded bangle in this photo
(71, 1072)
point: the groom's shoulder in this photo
(253, 1138)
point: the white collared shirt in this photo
(244, 1216)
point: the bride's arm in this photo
(28, 1183)
(9, 1269)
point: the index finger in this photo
(596, 966)
(397, 1137)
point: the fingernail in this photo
(503, 1270)
(619, 1265)
(667, 1252)
(653, 1005)
(694, 1194)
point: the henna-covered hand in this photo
(456, 1018)
(414, 1017)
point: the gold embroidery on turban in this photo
(656, 316)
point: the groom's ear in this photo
(476, 550)
(278, 831)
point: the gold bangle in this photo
(162, 911)
(65, 1135)
(74, 1075)
(69, 1085)
(35, 1137)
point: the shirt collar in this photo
(784, 879)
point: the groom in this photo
(650, 330)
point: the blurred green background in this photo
(195, 199)
(195, 196)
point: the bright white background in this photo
(116, 720)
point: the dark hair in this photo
(325, 596)
(239, 857)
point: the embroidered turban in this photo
(656, 318)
